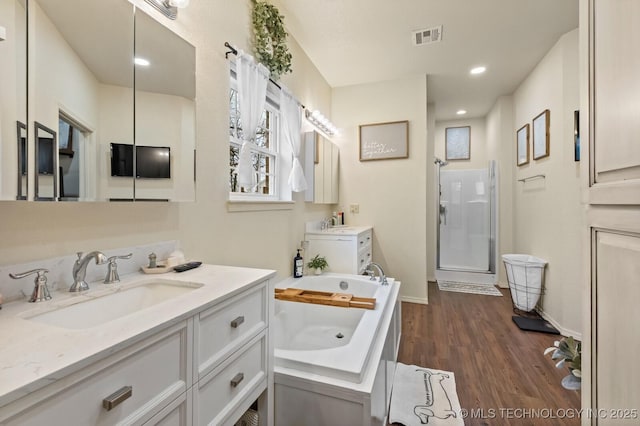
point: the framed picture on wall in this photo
(522, 141)
(541, 135)
(457, 143)
(384, 141)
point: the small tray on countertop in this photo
(159, 269)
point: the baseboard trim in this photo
(419, 300)
(563, 330)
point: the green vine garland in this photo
(270, 39)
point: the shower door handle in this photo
(443, 214)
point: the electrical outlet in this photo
(354, 208)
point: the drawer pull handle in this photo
(236, 322)
(236, 380)
(119, 396)
(361, 242)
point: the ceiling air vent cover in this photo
(427, 36)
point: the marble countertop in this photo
(33, 354)
(341, 230)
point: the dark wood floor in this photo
(497, 366)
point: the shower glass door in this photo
(465, 220)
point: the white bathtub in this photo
(327, 340)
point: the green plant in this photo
(270, 39)
(318, 263)
(569, 352)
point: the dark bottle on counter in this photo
(298, 264)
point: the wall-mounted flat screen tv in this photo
(152, 162)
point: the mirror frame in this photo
(54, 155)
(20, 126)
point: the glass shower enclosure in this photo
(467, 224)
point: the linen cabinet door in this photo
(610, 93)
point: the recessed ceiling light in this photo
(461, 112)
(141, 61)
(478, 70)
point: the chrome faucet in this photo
(80, 269)
(112, 271)
(372, 274)
(40, 290)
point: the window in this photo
(265, 152)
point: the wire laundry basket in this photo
(525, 274)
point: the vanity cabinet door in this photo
(157, 370)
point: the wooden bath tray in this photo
(344, 300)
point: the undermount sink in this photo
(339, 229)
(111, 306)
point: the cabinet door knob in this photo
(236, 322)
(236, 380)
(117, 397)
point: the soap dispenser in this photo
(298, 264)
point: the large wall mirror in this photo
(80, 63)
(121, 131)
(165, 91)
(13, 100)
(321, 169)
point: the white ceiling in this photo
(363, 41)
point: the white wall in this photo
(547, 212)
(208, 232)
(391, 193)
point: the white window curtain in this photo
(291, 119)
(253, 79)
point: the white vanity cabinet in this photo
(347, 250)
(204, 367)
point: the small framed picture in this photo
(522, 138)
(541, 135)
(458, 143)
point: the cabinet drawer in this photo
(155, 369)
(364, 239)
(218, 394)
(222, 329)
(364, 258)
(178, 413)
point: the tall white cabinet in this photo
(610, 93)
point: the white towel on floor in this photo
(423, 396)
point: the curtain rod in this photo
(234, 51)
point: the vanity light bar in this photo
(166, 7)
(321, 122)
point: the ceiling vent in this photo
(427, 36)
